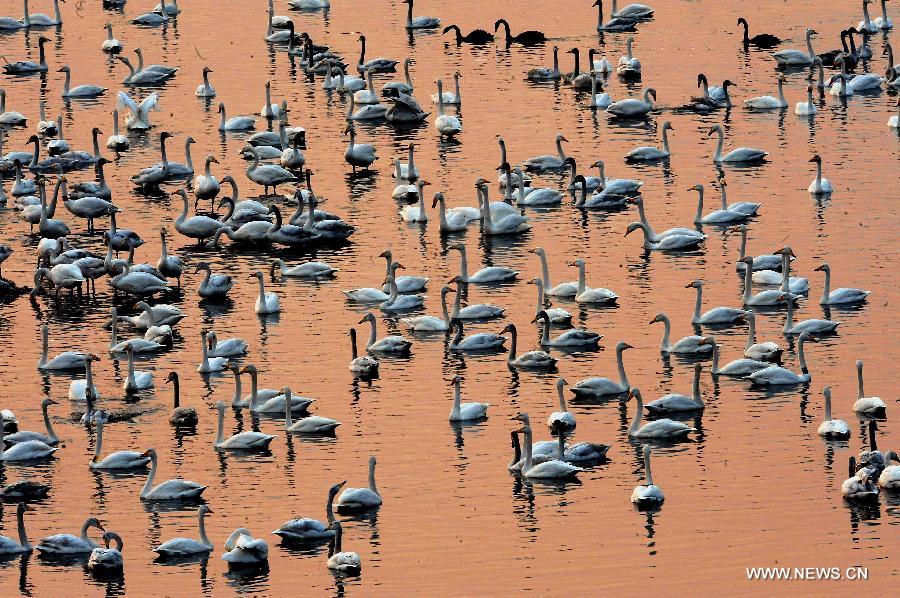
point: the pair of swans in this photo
(107, 561)
(767, 298)
(306, 529)
(723, 216)
(670, 242)
(775, 375)
(209, 364)
(397, 302)
(617, 23)
(446, 124)
(603, 387)
(779, 276)
(882, 23)
(453, 220)
(859, 486)
(546, 469)
(507, 222)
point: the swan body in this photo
(769, 102)
(8, 546)
(633, 107)
(490, 274)
(244, 549)
(483, 341)
(345, 563)
(811, 326)
(266, 303)
(68, 544)
(679, 403)
(587, 295)
(571, 339)
(840, 296)
(647, 495)
(241, 441)
(120, 460)
(738, 368)
(793, 57)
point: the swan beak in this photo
(52, 402)
(145, 453)
(819, 269)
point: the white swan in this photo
(550, 469)
(836, 429)
(599, 387)
(229, 347)
(812, 325)
(548, 162)
(358, 155)
(419, 22)
(629, 66)
(530, 360)
(311, 424)
(243, 549)
(868, 406)
(78, 389)
(431, 323)
(50, 438)
(69, 544)
(652, 153)
(840, 296)
(266, 303)
(738, 367)
(656, 429)
(632, 107)
(417, 213)
(81, 91)
(476, 311)
(894, 121)
(769, 102)
(536, 197)
(311, 270)
(183, 547)
(195, 227)
(136, 380)
(716, 315)
(571, 339)
(364, 365)
(106, 561)
(679, 403)
(205, 90)
(859, 486)
(482, 341)
(396, 301)
(449, 98)
(765, 351)
(235, 123)
(562, 419)
(176, 489)
(490, 274)
(306, 529)
(765, 298)
(347, 563)
(632, 11)
(866, 24)
(361, 498)
(595, 296)
(138, 117)
(67, 360)
(387, 344)
(453, 220)
(807, 108)
(819, 186)
(797, 57)
(9, 546)
(502, 224)
(268, 175)
(119, 460)
(462, 412)
(761, 262)
(778, 376)
(649, 494)
(240, 441)
(741, 154)
(138, 345)
(689, 345)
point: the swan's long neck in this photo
(409, 14)
(262, 289)
(456, 399)
(220, 427)
(372, 485)
(528, 449)
(545, 273)
(254, 385)
(47, 424)
(561, 397)
(819, 175)
(581, 283)
(664, 345)
(67, 82)
(187, 155)
(131, 381)
(512, 347)
(802, 356)
(866, 14)
(517, 449)
(721, 140)
(647, 468)
(23, 537)
(698, 215)
(177, 392)
(827, 405)
(665, 139)
(238, 395)
(826, 293)
(698, 303)
(809, 48)
(540, 296)
(789, 318)
(372, 333)
(715, 360)
(88, 379)
(45, 346)
(751, 331)
(441, 100)
(406, 70)
(545, 331)
(636, 423)
(456, 303)
(748, 277)
(695, 386)
(781, 91)
(444, 308)
(623, 378)
(184, 210)
(464, 263)
(859, 381)
(206, 85)
(201, 523)
(629, 41)
(148, 485)
(205, 361)
(648, 230)
(98, 447)
(785, 272)
(743, 253)
(559, 149)
(442, 213)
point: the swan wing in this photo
(125, 101)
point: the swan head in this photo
(457, 379)
(438, 197)
(172, 377)
(210, 158)
(447, 289)
(579, 263)
(742, 21)
(367, 318)
(65, 69)
(537, 251)
(182, 193)
(387, 254)
(747, 260)
(336, 488)
(458, 247)
(505, 167)
(823, 268)
(621, 346)
(206, 69)
(202, 266)
(633, 227)
(634, 393)
(48, 402)
(522, 417)
(511, 328)
(219, 406)
(701, 79)
(94, 522)
(541, 315)
(221, 107)
(561, 137)
(660, 317)
(560, 382)
(697, 284)
(257, 274)
(785, 250)
(708, 340)
(249, 369)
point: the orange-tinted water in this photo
(755, 487)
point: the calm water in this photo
(754, 487)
